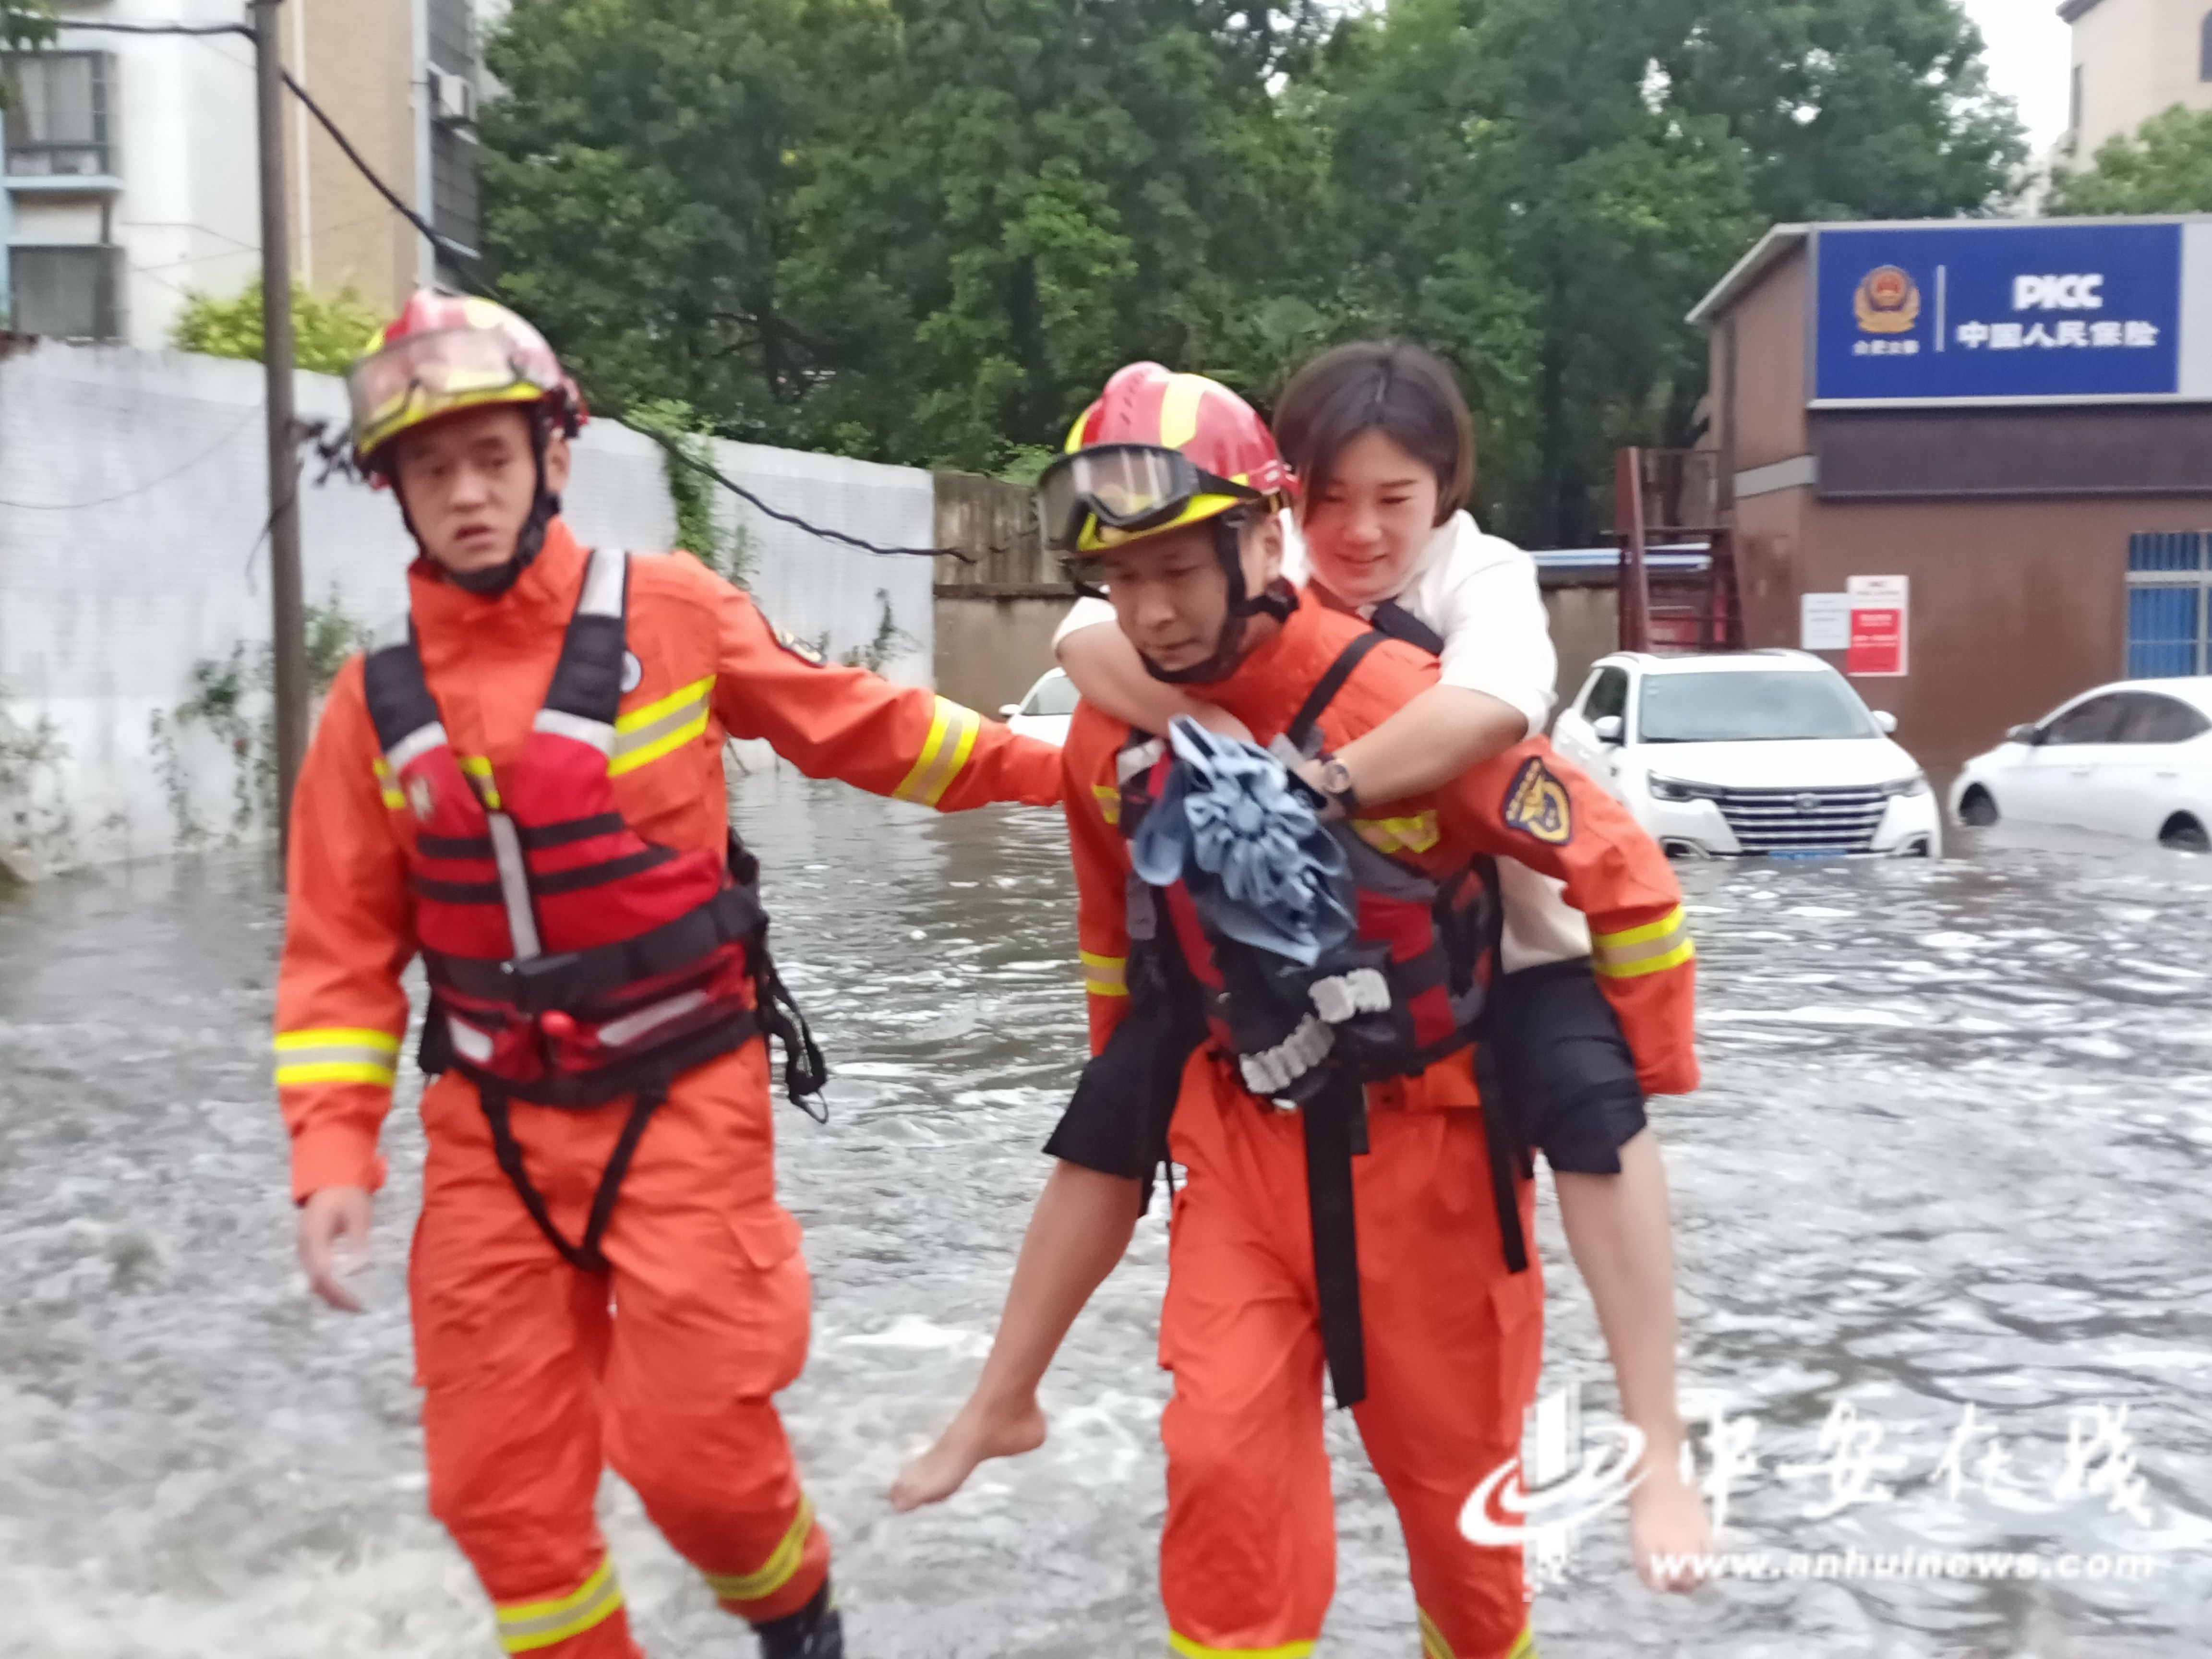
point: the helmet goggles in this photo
(421, 377)
(1111, 492)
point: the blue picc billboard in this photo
(1996, 310)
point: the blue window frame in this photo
(2169, 595)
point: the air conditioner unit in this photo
(452, 98)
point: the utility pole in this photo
(1634, 592)
(289, 621)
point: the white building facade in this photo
(128, 178)
(2132, 60)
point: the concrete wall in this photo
(132, 496)
(998, 608)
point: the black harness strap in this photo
(1393, 619)
(1336, 1122)
(585, 1255)
(1326, 688)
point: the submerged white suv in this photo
(1765, 752)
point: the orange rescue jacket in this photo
(710, 666)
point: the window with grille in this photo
(57, 123)
(2168, 580)
(66, 293)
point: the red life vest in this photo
(570, 960)
(1413, 985)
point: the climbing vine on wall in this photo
(233, 698)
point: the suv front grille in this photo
(1804, 820)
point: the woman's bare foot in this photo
(980, 1431)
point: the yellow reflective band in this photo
(1524, 1647)
(1179, 407)
(778, 1571)
(1415, 835)
(1109, 803)
(392, 798)
(1433, 1646)
(1651, 949)
(524, 1627)
(644, 735)
(336, 1055)
(479, 767)
(1105, 976)
(952, 731)
(1190, 1650)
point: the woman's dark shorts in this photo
(1569, 1078)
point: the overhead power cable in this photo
(462, 257)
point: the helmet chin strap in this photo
(1277, 600)
(528, 542)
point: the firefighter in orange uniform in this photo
(527, 791)
(1350, 1206)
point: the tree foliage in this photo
(924, 230)
(328, 331)
(2166, 167)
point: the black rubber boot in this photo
(815, 1632)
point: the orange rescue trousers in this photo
(1453, 1347)
(537, 1376)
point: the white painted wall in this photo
(132, 496)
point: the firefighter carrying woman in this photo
(1295, 995)
(525, 789)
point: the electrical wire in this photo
(461, 257)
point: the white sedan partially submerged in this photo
(2133, 758)
(1749, 752)
(1045, 711)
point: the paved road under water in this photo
(1953, 1148)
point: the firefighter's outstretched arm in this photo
(1530, 804)
(832, 721)
(341, 1012)
(1102, 871)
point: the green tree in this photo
(2165, 167)
(327, 332)
(914, 230)
(1541, 189)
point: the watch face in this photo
(1336, 776)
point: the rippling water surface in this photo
(1955, 1148)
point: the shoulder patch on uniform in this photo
(1537, 804)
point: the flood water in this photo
(1955, 1147)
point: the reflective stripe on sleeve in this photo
(1417, 834)
(478, 766)
(775, 1572)
(336, 1055)
(389, 790)
(1650, 949)
(1190, 1650)
(524, 1627)
(644, 735)
(1105, 976)
(1434, 1646)
(952, 739)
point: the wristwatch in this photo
(1336, 784)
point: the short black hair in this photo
(1391, 387)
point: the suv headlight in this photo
(1915, 785)
(1675, 789)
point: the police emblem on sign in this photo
(1888, 301)
(1537, 804)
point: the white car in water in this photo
(1045, 712)
(1749, 752)
(2134, 759)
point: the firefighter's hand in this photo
(334, 1242)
